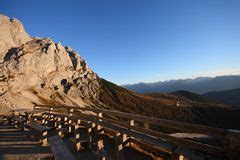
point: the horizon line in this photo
(175, 79)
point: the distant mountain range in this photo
(228, 96)
(198, 85)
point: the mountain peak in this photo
(12, 34)
(198, 85)
(37, 70)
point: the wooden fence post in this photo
(55, 122)
(121, 140)
(70, 112)
(118, 146)
(174, 156)
(234, 144)
(44, 138)
(50, 110)
(132, 123)
(46, 120)
(35, 119)
(90, 127)
(100, 150)
(59, 127)
(77, 135)
(28, 117)
(69, 123)
(99, 127)
(146, 125)
(70, 130)
(43, 120)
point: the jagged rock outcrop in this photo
(35, 70)
(12, 34)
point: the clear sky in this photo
(129, 41)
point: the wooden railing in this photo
(154, 134)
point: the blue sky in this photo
(130, 41)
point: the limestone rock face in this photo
(39, 71)
(12, 34)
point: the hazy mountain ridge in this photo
(163, 105)
(194, 97)
(228, 96)
(198, 85)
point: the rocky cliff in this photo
(36, 70)
(12, 34)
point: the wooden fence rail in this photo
(226, 143)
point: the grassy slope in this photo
(227, 96)
(203, 113)
(194, 97)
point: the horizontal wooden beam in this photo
(174, 140)
(181, 126)
(161, 140)
(165, 146)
